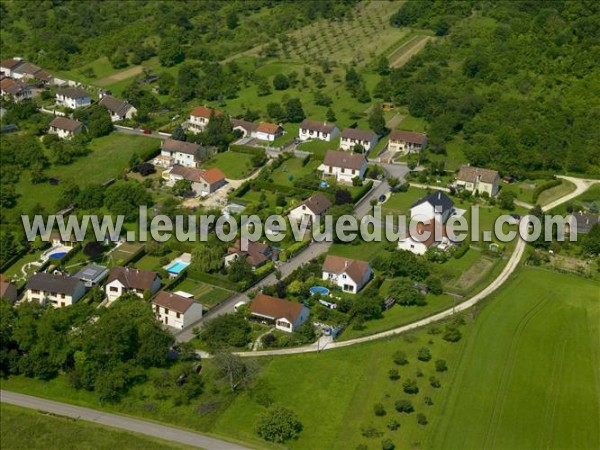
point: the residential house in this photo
(176, 311)
(248, 129)
(118, 109)
(257, 253)
(406, 141)
(65, 128)
(436, 206)
(91, 274)
(313, 129)
(287, 316)
(57, 240)
(58, 290)
(582, 222)
(476, 179)
(268, 131)
(204, 181)
(25, 71)
(73, 98)
(426, 235)
(350, 275)
(15, 89)
(353, 136)
(180, 152)
(311, 208)
(8, 290)
(8, 66)
(199, 118)
(125, 279)
(344, 166)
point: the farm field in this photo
(510, 345)
(34, 429)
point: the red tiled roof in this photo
(203, 111)
(269, 128)
(354, 268)
(408, 136)
(275, 308)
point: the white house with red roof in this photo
(344, 166)
(287, 316)
(126, 279)
(199, 118)
(204, 181)
(175, 310)
(350, 275)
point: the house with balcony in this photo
(406, 141)
(344, 166)
(314, 129)
(122, 280)
(199, 118)
(56, 290)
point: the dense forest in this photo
(519, 80)
(60, 35)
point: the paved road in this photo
(311, 252)
(138, 132)
(513, 262)
(117, 421)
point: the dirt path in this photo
(120, 76)
(412, 47)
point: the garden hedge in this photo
(544, 187)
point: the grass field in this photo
(549, 195)
(205, 293)
(400, 202)
(150, 262)
(293, 168)
(26, 429)
(234, 165)
(529, 357)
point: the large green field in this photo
(26, 429)
(524, 376)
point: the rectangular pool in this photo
(177, 267)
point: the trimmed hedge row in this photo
(242, 190)
(247, 149)
(464, 248)
(150, 154)
(213, 279)
(296, 248)
(135, 257)
(544, 187)
(13, 260)
(362, 192)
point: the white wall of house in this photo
(348, 144)
(416, 247)
(342, 174)
(426, 212)
(305, 135)
(197, 124)
(301, 211)
(178, 320)
(344, 282)
(184, 159)
(405, 147)
(55, 299)
(265, 136)
(73, 103)
(115, 289)
(63, 134)
(480, 186)
(131, 112)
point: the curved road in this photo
(581, 186)
(117, 421)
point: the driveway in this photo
(117, 421)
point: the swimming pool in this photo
(319, 290)
(58, 255)
(176, 267)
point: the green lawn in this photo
(365, 251)
(26, 429)
(319, 148)
(150, 262)
(293, 168)
(123, 253)
(400, 202)
(556, 192)
(524, 190)
(234, 165)
(528, 355)
(205, 293)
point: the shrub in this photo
(378, 409)
(434, 382)
(452, 333)
(464, 248)
(421, 419)
(393, 425)
(400, 358)
(428, 401)
(543, 187)
(424, 354)
(393, 374)
(278, 424)
(404, 406)
(387, 444)
(440, 365)
(410, 387)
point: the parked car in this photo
(147, 131)
(382, 198)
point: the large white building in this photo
(350, 275)
(344, 166)
(73, 98)
(122, 280)
(175, 310)
(56, 290)
(313, 129)
(179, 152)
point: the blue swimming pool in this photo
(177, 267)
(58, 255)
(319, 290)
